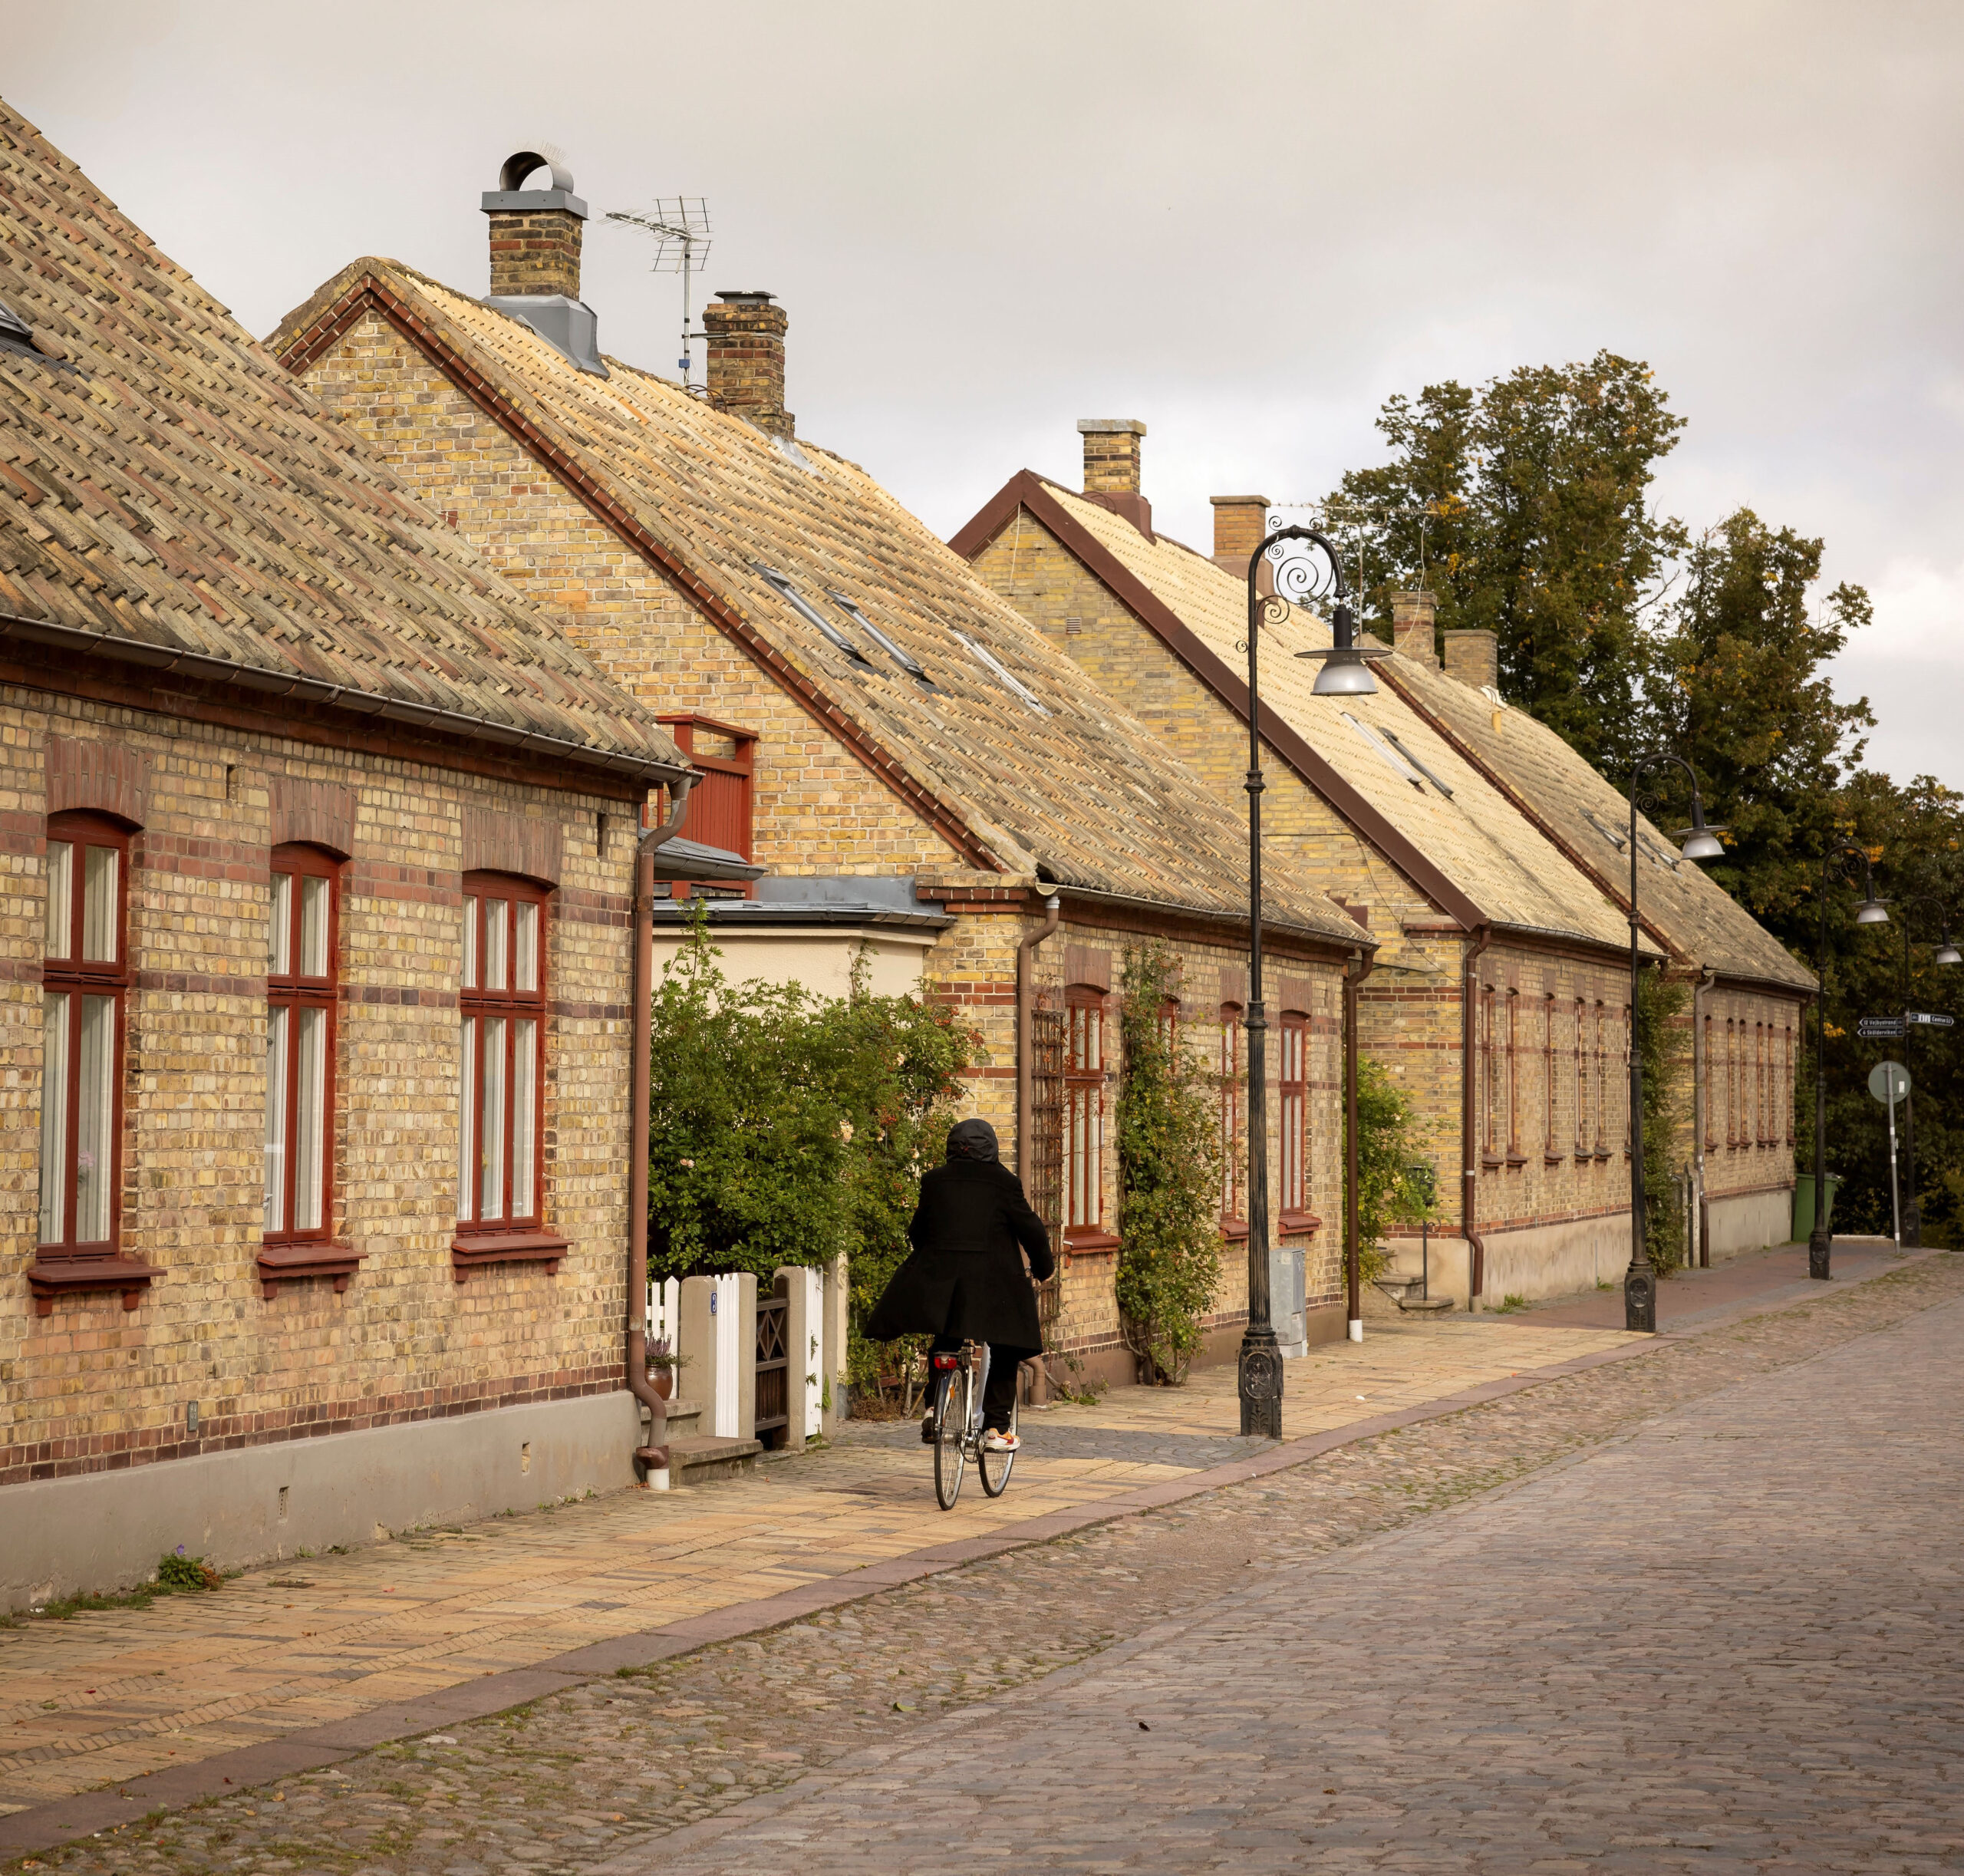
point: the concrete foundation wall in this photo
(1540, 1260)
(1750, 1222)
(99, 1532)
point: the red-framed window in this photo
(1293, 1082)
(1232, 1155)
(1763, 1107)
(1581, 1079)
(1548, 1119)
(1787, 1086)
(1732, 1084)
(501, 1081)
(1711, 1103)
(85, 982)
(1084, 1109)
(1602, 1080)
(1490, 1081)
(1514, 1152)
(303, 983)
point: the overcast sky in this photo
(1246, 224)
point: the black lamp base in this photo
(1820, 1245)
(1640, 1299)
(1261, 1384)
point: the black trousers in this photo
(999, 1390)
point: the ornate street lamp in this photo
(1702, 843)
(1306, 568)
(1871, 911)
(1912, 1214)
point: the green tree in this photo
(1736, 679)
(1524, 505)
(1395, 1185)
(789, 1128)
(1169, 1177)
(1662, 1044)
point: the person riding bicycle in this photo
(965, 1280)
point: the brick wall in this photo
(91, 1385)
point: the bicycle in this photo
(959, 1377)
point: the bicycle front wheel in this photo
(950, 1430)
(993, 1468)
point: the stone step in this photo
(698, 1457)
(1425, 1305)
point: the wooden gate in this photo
(773, 1371)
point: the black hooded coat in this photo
(965, 1278)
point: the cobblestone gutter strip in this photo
(690, 1719)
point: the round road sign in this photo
(1889, 1082)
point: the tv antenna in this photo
(679, 225)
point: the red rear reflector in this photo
(945, 1364)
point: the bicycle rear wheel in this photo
(993, 1468)
(950, 1431)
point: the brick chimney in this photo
(1239, 522)
(535, 257)
(1414, 620)
(747, 361)
(1474, 658)
(1111, 467)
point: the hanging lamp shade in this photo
(1703, 842)
(1872, 912)
(1346, 665)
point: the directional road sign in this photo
(1927, 1017)
(1879, 1028)
(1889, 1082)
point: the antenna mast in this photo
(679, 225)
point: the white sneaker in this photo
(993, 1442)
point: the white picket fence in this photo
(664, 1311)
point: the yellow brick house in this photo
(1498, 999)
(317, 841)
(912, 769)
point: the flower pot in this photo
(663, 1381)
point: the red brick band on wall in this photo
(224, 1433)
(106, 778)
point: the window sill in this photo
(1552, 1159)
(1233, 1231)
(288, 1263)
(49, 1277)
(1080, 1242)
(1492, 1162)
(480, 1248)
(1298, 1224)
(1516, 1159)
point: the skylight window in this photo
(1608, 832)
(1394, 761)
(903, 659)
(1010, 682)
(810, 613)
(1391, 736)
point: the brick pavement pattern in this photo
(1729, 1644)
(632, 1773)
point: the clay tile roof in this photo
(1474, 837)
(1701, 921)
(165, 487)
(1033, 769)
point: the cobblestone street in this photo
(1696, 1610)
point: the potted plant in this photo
(663, 1362)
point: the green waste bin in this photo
(1803, 1204)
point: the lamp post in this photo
(1947, 954)
(1871, 911)
(1300, 575)
(1702, 843)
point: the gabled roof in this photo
(1450, 831)
(1688, 910)
(169, 496)
(1013, 755)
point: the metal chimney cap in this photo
(510, 198)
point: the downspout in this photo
(1700, 1095)
(1469, 1177)
(1353, 1261)
(653, 1457)
(1026, 1076)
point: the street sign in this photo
(1927, 1017)
(1879, 1028)
(1889, 1082)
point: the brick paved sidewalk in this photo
(1728, 1646)
(110, 1698)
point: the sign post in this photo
(1889, 1082)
